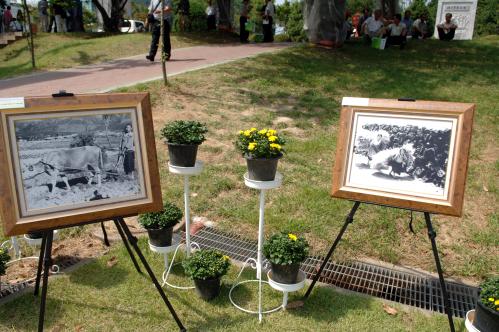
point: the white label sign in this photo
(6, 103)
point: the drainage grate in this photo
(403, 287)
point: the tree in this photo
(112, 20)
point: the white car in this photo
(131, 26)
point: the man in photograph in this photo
(155, 9)
(127, 150)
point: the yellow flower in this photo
(226, 257)
(251, 146)
(253, 129)
(292, 237)
(271, 132)
(247, 133)
(241, 132)
(272, 138)
(491, 299)
(496, 302)
(275, 146)
(263, 132)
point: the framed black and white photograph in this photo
(89, 161)
(404, 154)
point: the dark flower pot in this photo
(34, 235)
(160, 237)
(207, 289)
(285, 274)
(183, 155)
(486, 319)
(262, 169)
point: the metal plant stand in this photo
(259, 264)
(186, 172)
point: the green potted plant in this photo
(262, 150)
(487, 306)
(4, 259)
(159, 225)
(206, 267)
(285, 252)
(183, 139)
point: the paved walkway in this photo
(128, 71)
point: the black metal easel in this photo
(128, 239)
(431, 234)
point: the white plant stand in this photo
(259, 263)
(186, 172)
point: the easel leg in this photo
(127, 246)
(47, 264)
(104, 233)
(40, 265)
(349, 220)
(432, 235)
(133, 242)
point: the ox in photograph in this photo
(401, 154)
(76, 159)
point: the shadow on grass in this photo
(101, 276)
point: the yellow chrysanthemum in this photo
(247, 133)
(251, 146)
(271, 132)
(263, 132)
(292, 237)
(275, 146)
(226, 257)
(496, 302)
(253, 129)
(491, 299)
(241, 132)
(272, 138)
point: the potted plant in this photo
(262, 150)
(183, 139)
(285, 252)
(159, 225)
(206, 267)
(4, 259)
(487, 306)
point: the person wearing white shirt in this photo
(420, 27)
(155, 10)
(373, 26)
(397, 32)
(268, 20)
(211, 16)
(447, 28)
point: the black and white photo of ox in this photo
(401, 154)
(76, 159)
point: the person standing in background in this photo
(184, 9)
(51, 18)
(268, 20)
(60, 17)
(43, 6)
(155, 9)
(211, 16)
(243, 33)
(7, 18)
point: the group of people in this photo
(55, 18)
(9, 23)
(267, 11)
(398, 29)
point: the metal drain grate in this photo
(403, 287)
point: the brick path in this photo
(128, 71)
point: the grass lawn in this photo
(299, 91)
(56, 51)
(97, 297)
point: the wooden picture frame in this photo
(406, 154)
(98, 149)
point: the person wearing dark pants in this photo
(268, 21)
(447, 29)
(156, 29)
(211, 16)
(396, 32)
(243, 33)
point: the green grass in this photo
(56, 51)
(101, 298)
(299, 91)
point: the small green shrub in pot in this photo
(285, 252)
(206, 267)
(487, 309)
(4, 259)
(183, 139)
(159, 225)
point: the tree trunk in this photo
(324, 21)
(111, 20)
(29, 37)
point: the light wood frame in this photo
(14, 224)
(453, 203)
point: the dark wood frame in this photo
(454, 203)
(9, 207)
